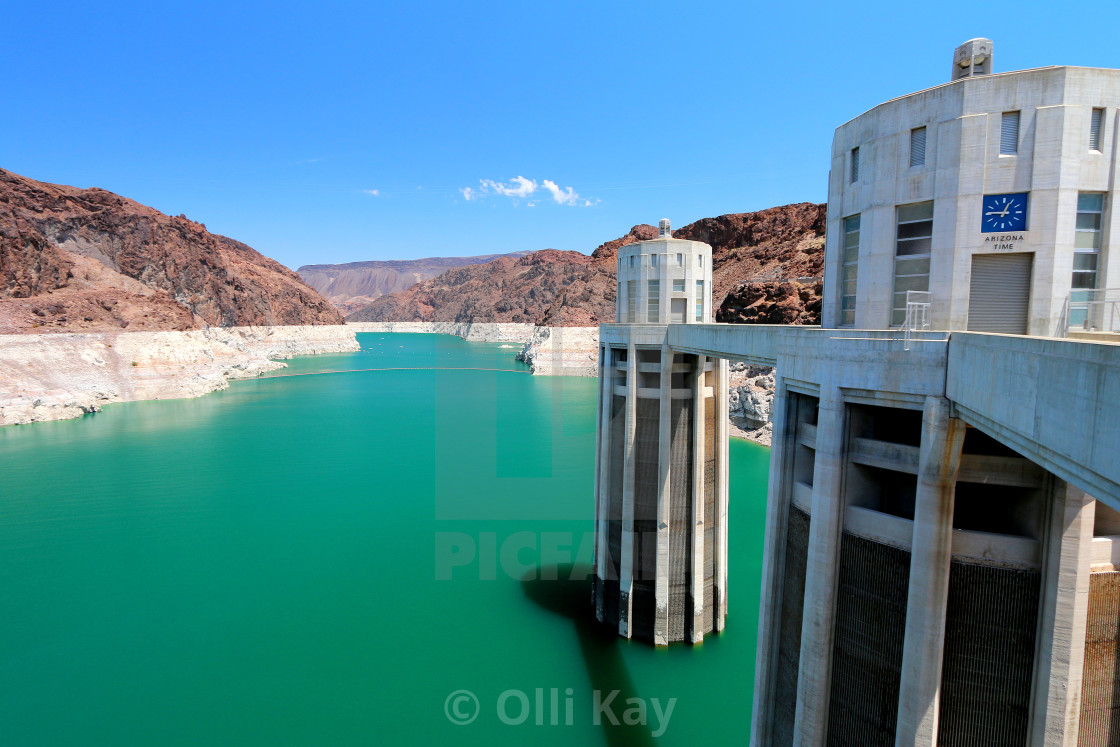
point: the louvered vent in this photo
(1009, 134)
(918, 146)
(1095, 123)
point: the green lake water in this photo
(325, 559)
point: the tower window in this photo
(913, 243)
(653, 260)
(853, 166)
(680, 260)
(849, 271)
(1009, 134)
(1086, 261)
(653, 312)
(918, 146)
(1087, 241)
(678, 286)
(1096, 125)
(699, 300)
(631, 301)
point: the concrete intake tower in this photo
(661, 459)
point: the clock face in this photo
(1004, 213)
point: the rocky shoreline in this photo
(750, 402)
(65, 375)
(549, 351)
(469, 331)
(574, 351)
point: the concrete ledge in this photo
(1105, 552)
(652, 335)
(985, 548)
(1056, 402)
(753, 343)
(996, 470)
(803, 497)
(807, 435)
(885, 454)
(879, 527)
(1095, 336)
(858, 360)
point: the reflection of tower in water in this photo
(661, 477)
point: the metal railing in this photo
(1095, 310)
(917, 314)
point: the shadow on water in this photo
(565, 589)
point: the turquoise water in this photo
(324, 559)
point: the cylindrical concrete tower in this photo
(661, 477)
(664, 281)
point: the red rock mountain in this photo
(766, 268)
(87, 259)
(550, 287)
(353, 285)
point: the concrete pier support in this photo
(696, 583)
(664, 449)
(723, 482)
(773, 567)
(811, 720)
(932, 550)
(602, 473)
(626, 566)
(1062, 619)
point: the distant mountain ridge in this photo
(351, 285)
(76, 260)
(766, 269)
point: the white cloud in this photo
(520, 187)
(565, 195)
(373, 192)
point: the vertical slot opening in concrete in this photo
(998, 509)
(890, 424)
(803, 411)
(884, 490)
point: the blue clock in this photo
(1004, 213)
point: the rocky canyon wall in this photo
(353, 285)
(88, 260)
(766, 269)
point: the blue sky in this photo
(337, 132)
